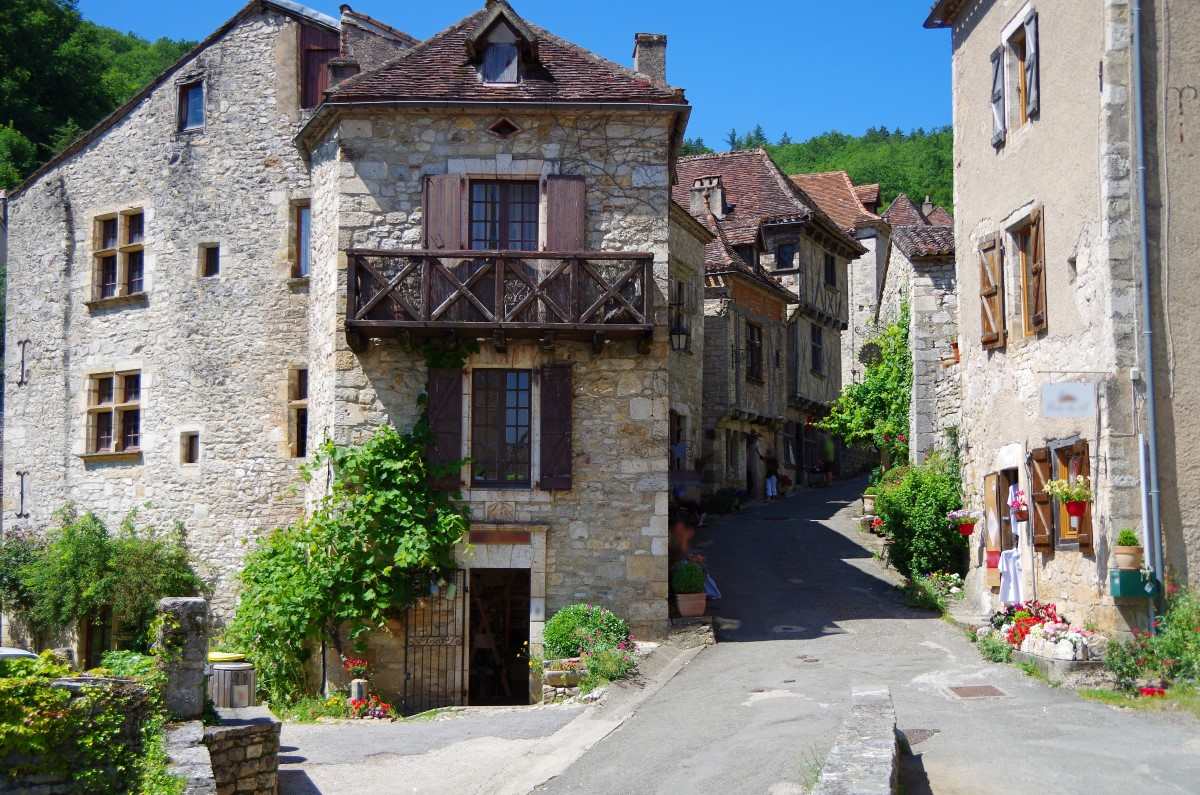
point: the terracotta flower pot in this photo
(1127, 558)
(691, 605)
(1022, 515)
(966, 528)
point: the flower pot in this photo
(1021, 515)
(1127, 558)
(691, 605)
(869, 504)
(966, 528)
(1076, 508)
(993, 558)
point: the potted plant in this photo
(687, 581)
(1127, 551)
(357, 670)
(964, 519)
(1074, 494)
(1018, 506)
(868, 500)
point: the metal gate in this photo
(435, 649)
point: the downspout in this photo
(1151, 488)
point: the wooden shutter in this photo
(318, 47)
(1033, 58)
(1083, 533)
(1035, 285)
(1040, 505)
(566, 204)
(445, 423)
(446, 212)
(991, 510)
(556, 400)
(991, 294)
(999, 124)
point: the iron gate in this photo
(435, 649)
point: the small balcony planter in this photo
(1019, 506)
(687, 581)
(993, 558)
(1125, 584)
(1127, 551)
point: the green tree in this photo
(694, 146)
(18, 156)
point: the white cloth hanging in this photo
(1010, 577)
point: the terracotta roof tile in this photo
(835, 194)
(904, 213)
(924, 241)
(439, 69)
(940, 217)
(868, 195)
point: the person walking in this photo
(771, 462)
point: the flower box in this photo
(1126, 584)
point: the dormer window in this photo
(500, 63)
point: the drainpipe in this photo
(1151, 488)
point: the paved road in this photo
(808, 614)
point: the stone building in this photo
(774, 312)
(249, 257)
(1077, 272)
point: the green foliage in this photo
(687, 577)
(914, 515)
(694, 146)
(933, 591)
(1127, 661)
(580, 627)
(81, 571)
(994, 649)
(918, 163)
(608, 664)
(875, 410)
(1077, 490)
(373, 544)
(60, 74)
(1128, 538)
(451, 354)
(1177, 644)
(18, 156)
(310, 709)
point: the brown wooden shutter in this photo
(1036, 286)
(318, 47)
(991, 510)
(1084, 532)
(1033, 59)
(556, 403)
(1040, 504)
(445, 423)
(566, 204)
(999, 120)
(445, 208)
(991, 293)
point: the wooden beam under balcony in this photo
(496, 294)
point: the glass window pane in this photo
(104, 438)
(500, 63)
(192, 106)
(108, 233)
(303, 239)
(136, 227)
(135, 272)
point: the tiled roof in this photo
(835, 194)
(904, 213)
(924, 241)
(940, 217)
(868, 194)
(943, 13)
(721, 259)
(440, 69)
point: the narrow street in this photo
(807, 614)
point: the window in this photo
(501, 403)
(1016, 55)
(318, 46)
(119, 267)
(210, 260)
(1069, 461)
(817, 346)
(785, 256)
(1029, 244)
(830, 271)
(749, 254)
(298, 411)
(23, 495)
(1021, 47)
(191, 106)
(993, 327)
(114, 413)
(303, 227)
(189, 448)
(754, 352)
(504, 216)
(1052, 525)
(500, 63)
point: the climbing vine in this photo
(372, 545)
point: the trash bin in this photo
(232, 685)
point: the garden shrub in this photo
(994, 649)
(1177, 644)
(606, 665)
(687, 578)
(914, 514)
(581, 627)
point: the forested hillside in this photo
(60, 74)
(917, 163)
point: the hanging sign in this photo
(1068, 400)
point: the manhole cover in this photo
(918, 736)
(787, 629)
(977, 691)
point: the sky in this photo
(802, 67)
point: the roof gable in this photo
(835, 194)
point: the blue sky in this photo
(804, 67)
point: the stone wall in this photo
(244, 749)
(213, 352)
(864, 277)
(933, 324)
(685, 369)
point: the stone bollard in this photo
(358, 689)
(183, 647)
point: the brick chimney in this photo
(650, 57)
(708, 196)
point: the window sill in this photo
(132, 299)
(483, 486)
(120, 455)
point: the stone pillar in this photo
(183, 644)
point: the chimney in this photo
(708, 196)
(927, 207)
(650, 57)
(341, 69)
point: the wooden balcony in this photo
(825, 302)
(589, 295)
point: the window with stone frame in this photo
(754, 352)
(503, 215)
(114, 413)
(118, 255)
(302, 231)
(210, 260)
(298, 411)
(501, 427)
(189, 447)
(191, 106)
(785, 256)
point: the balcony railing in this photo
(580, 295)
